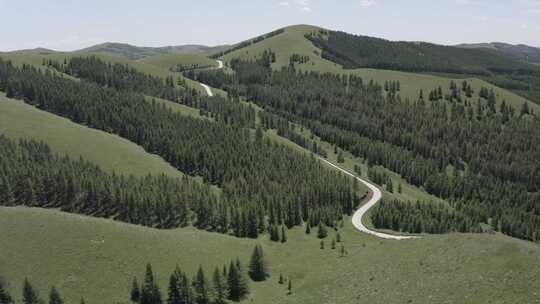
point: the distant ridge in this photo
(138, 52)
(520, 52)
(36, 51)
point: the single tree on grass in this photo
(30, 296)
(54, 297)
(289, 288)
(281, 280)
(200, 288)
(219, 287)
(283, 235)
(135, 291)
(257, 265)
(150, 293)
(321, 231)
(5, 298)
(308, 228)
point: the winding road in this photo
(206, 87)
(359, 214)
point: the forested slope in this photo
(353, 51)
(257, 176)
(491, 147)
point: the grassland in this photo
(171, 60)
(110, 152)
(97, 259)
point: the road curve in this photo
(359, 214)
(206, 87)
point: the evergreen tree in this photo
(5, 298)
(400, 188)
(321, 231)
(333, 244)
(150, 293)
(219, 287)
(283, 235)
(236, 281)
(200, 288)
(308, 228)
(289, 288)
(281, 281)
(338, 237)
(54, 297)
(257, 265)
(174, 296)
(340, 157)
(30, 296)
(322, 244)
(135, 291)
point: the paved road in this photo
(359, 214)
(206, 87)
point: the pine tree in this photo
(399, 188)
(322, 244)
(219, 287)
(338, 237)
(281, 281)
(185, 290)
(340, 157)
(200, 288)
(135, 291)
(308, 228)
(30, 296)
(5, 298)
(389, 185)
(236, 281)
(257, 265)
(174, 296)
(150, 293)
(54, 297)
(289, 288)
(283, 235)
(342, 251)
(333, 244)
(321, 231)
(274, 233)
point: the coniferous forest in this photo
(263, 183)
(480, 153)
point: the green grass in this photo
(171, 60)
(110, 152)
(98, 258)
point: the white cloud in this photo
(367, 3)
(304, 5)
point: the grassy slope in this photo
(98, 259)
(170, 60)
(293, 41)
(110, 152)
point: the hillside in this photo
(293, 41)
(98, 258)
(110, 152)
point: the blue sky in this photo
(69, 25)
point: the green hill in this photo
(293, 41)
(98, 258)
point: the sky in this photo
(68, 25)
